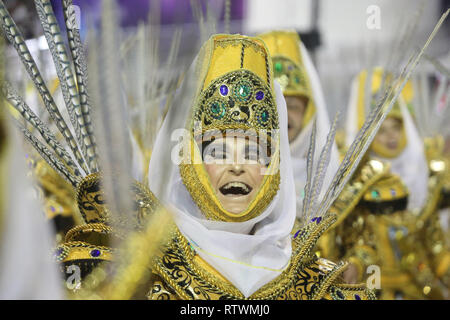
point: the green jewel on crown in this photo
(249, 103)
(243, 91)
(218, 109)
(263, 117)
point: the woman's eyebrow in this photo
(221, 146)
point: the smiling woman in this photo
(235, 182)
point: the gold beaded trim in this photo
(87, 228)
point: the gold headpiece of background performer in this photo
(379, 79)
(289, 70)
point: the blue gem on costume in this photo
(95, 253)
(340, 294)
(59, 252)
(223, 90)
(259, 95)
(316, 219)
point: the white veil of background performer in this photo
(411, 164)
(299, 147)
(27, 269)
(248, 261)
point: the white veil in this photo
(411, 164)
(248, 261)
(299, 147)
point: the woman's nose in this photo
(237, 169)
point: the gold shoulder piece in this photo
(161, 291)
(350, 292)
(92, 205)
(89, 244)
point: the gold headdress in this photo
(387, 195)
(289, 70)
(378, 79)
(235, 92)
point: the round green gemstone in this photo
(215, 107)
(218, 110)
(297, 79)
(244, 90)
(278, 66)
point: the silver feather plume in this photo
(81, 161)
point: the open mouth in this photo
(235, 188)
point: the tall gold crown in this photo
(378, 79)
(289, 70)
(237, 90)
(378, 82)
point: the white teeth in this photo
(237, 185)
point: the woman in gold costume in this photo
(397, 142)
(376, 228)
(297, 76)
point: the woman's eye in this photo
(251, 155)
(220, 155)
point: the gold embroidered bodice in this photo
(182, 274)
